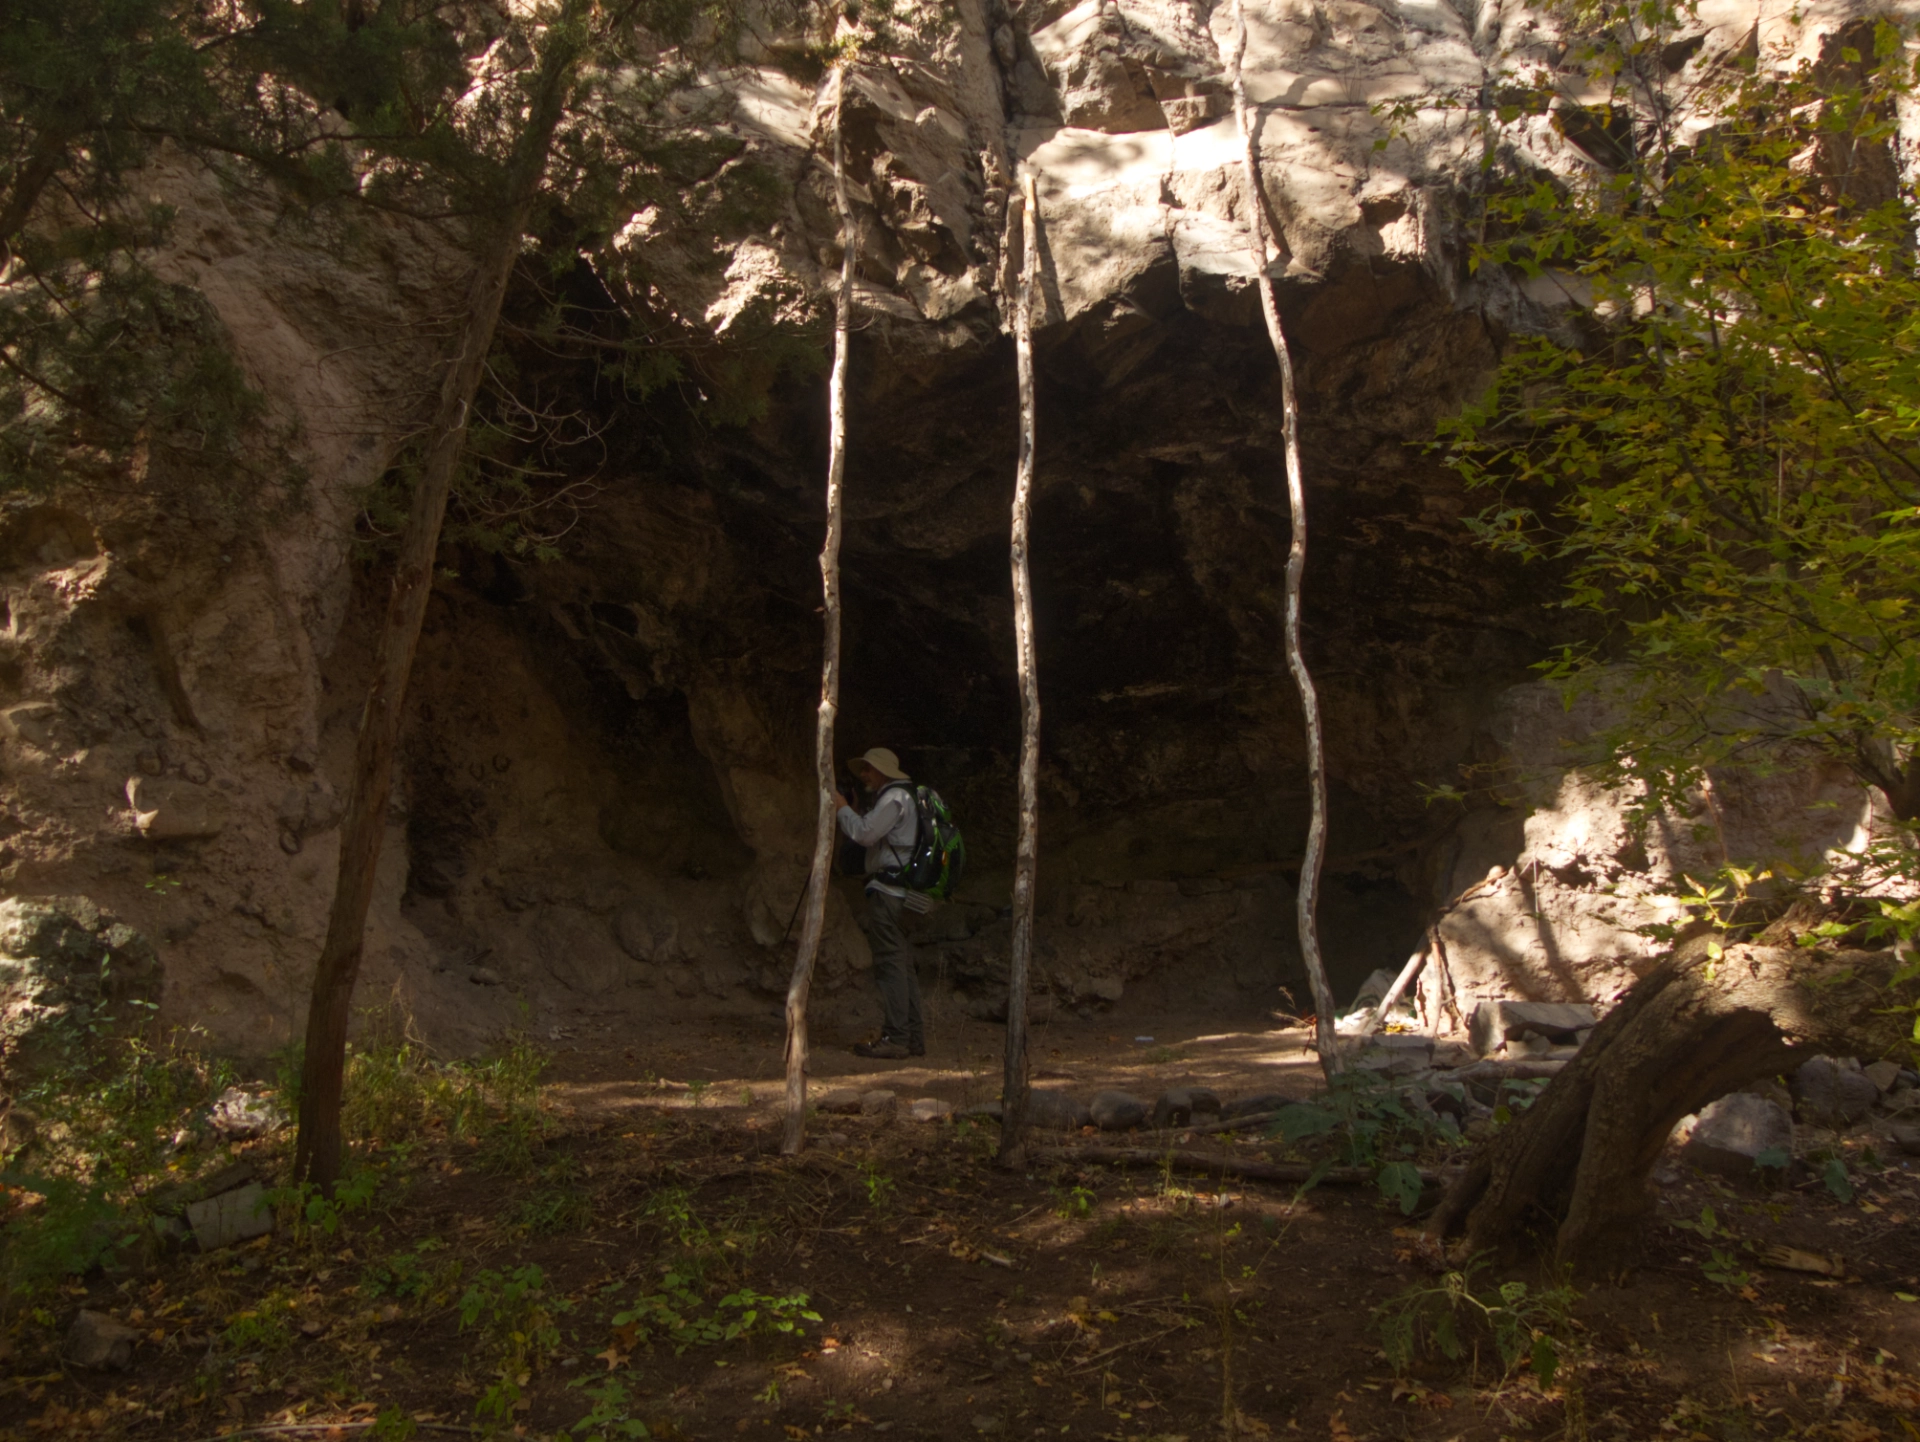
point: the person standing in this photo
(889, 831)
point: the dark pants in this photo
(893, 972)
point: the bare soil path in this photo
(945, 1298)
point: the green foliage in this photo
(1834, 1176)
(558, 1204)
(1370, 1125)
(107, 1114)
(1400, 1182)
(413, 1275)
(680, 1313)
(1721, 450)
(611, 1418)
(876, 1184)
(315, 1218)
(266, 1327)
(396, 1090)
(1723, 1269)
(518, 1333)
(1526, 1326)
(1073, 1203)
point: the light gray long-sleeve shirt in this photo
(888, 832)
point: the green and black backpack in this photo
(939, 850)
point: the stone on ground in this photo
(98, 1342)
(1906, 1137)
(1832, 1092)
(240, 1115)
(1173, 1109)
(1056, 1111)
(1730, 1135)
(1882, 1074)
(929, 1109)
(1560, 1022)
(878, 1104)
(841, 1101)
(1118, 1111)
(230, 1217)
(1396, 1054)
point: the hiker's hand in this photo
(838, 801)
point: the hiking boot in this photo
(916, 1048)
(882, 1050)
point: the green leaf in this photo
(1400, 1182)
(1835, 1176)
(1772, 1159)
(1546, 1360)
(1302, 1120)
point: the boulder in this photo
(1254, 1105)
(878, 1104)
(1118, 1111)
(64, 966)
(1730, 1135)
(1179, 1106)
(1907, 1138)
(1173, 1109)
(841, 1101)
(1056, 1111)
(1882, 1074)
(98, 1342)
(1832, 1092)
(240, 1115)
(166, 810)
(1396, 1055)
(174, 1198)
(929, 1109)
(647, 930)
(1560, 1022)
(230, 1217)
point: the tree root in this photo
(1573, 1169)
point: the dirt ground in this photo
(944, 1298)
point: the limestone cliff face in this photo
(606, 803)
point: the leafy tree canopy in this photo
(1721, 448)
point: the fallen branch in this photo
(288, 1429)
(1506, 1070)
(1294, 1173)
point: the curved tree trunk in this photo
(318, 1149)
(1571, 1172)
(801, 983)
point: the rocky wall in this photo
(605, 808)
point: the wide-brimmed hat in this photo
(885, 762)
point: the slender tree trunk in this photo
(42, 163)
(317, 1154)
(1013, 1094)
(1572, 1169)
(1265, 246)
(816, 913)
(1416, 964)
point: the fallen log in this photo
(1294, 1173)
(1504, 1071)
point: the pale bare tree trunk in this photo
(1013, 1093)
(1265, 247)
(1416, 964)
(318, 1150)
(823, 830)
